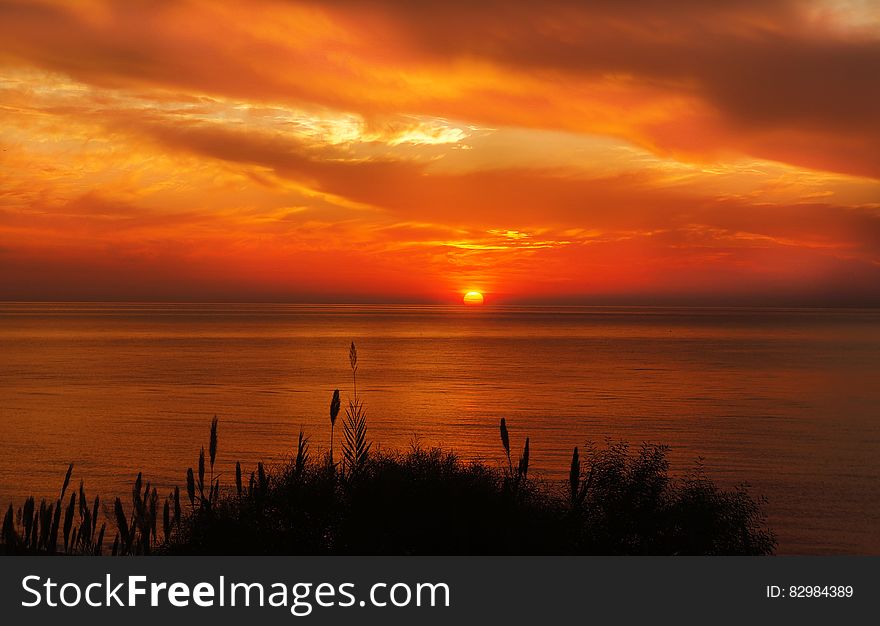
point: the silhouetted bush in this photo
(424, 501)
(427, 501)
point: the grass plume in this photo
(334, 413)
(505, 441)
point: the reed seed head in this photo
(121, 522)
(95, 510)
(66, 480)
(166, 519)
(261, 475)
(524, 461)
(177, 505)
(574, 474)
(68, 520)
(9, 537)
(353, 357)
(202, 470)
(99, 543)
(213, 442)
(335, 405)
(191, 486)
(505, 436)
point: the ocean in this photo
(786, 400)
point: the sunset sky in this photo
(674, 151)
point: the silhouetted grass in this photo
(617, 500)
(422, 501)
(39, 530)
(428, 501)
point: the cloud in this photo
(720, 76)
(676, 149)
(792, 81)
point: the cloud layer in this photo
(561, 151)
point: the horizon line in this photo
(508, 304)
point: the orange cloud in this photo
(659, 151)
(684, 77)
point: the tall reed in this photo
(356, 447)
(505, 441)
(334, 412)
(35, 529)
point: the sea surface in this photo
(787, 400)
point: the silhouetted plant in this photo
(578, 486)
(425, 502)
(334, 412)
(68, 521)
(302, 453)
(195, 483)
(522, 469)
(212, 448)
(263, 480)
(201, 483)
(34, 530)
(356, 447)
(10, 539)
(353, 359)
(505, 441)
(238, 487)
(191, 488)
(422, 502)
(137, 532)
(166, 517)
(177, 516)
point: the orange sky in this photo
(640, 152)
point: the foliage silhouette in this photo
(422, 501)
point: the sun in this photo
(473, 298)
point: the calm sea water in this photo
(786, 400)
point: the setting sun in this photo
(580, 247)
(473, 297)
